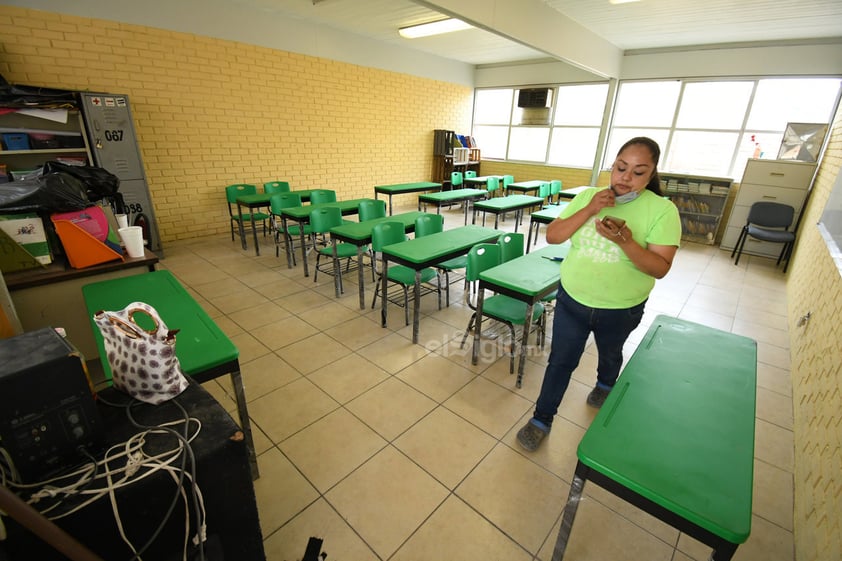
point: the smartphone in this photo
(618, 222)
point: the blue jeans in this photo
(572, 323)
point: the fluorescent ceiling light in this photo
(433, 28)
(622, 1)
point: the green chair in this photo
(278, 202)
(492, 185)
(231, 194)
(511, 246)
(321, 221)
(555, 190)
(388, 233)
(321, 196)
(432, 224)
(507, 180)
(371, 209)
(456, 179)
(499, 307)
(273, 187)
(470, 173)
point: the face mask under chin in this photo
(626, 198)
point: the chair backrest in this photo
(555, 187)
(238, 190)
(276, 187)
(481, 257)
(511, 246)
(280, 201)
(456, 178)
(508, 180)
(319, 196)
(771, 215)
(492, 184)
(371, 209)
(427, 224)
(544, 191)
(324, 218)
(387, 233)
(470, 173)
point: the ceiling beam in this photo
(534, 24)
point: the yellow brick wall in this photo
(815, 285)
(209, 113)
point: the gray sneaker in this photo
(530, 436)
(597, 397)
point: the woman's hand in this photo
(610, 230)
(601, 200)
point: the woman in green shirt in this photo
(622, 237)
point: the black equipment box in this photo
(47, 409)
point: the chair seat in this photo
(406, 275)
(460, 262)
(507, 309)
(777, 236)
(247, 216)
(343, 250)
(296, 230)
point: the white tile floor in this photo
(389, 450)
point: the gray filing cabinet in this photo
(779, 181)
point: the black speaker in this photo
(47, 409)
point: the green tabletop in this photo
(572, 192)
(507, 203)
(200, 344)
(529, 277)
(526, 186)
(359, 233)
(454, 195)
(548, 214)
(407, 187)
(428, 250)
(302, 213)
(678, 427)
(203, 350)
(262, 199)
(481, 179)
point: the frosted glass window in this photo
(581, 105)
(646, 104)
(573, 146)
(794, 100)
(493, 107)
(701, 152)
(714, 105)
(619, 136)
(491, 141)
(529, 144)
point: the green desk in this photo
(572, 192)
(502, 205)
(544, 216)
(453, 196)
(258, 201)
(301, 215)
(524, 187)
(676, 435)
(203, 350)
(426, 251)
(359, 234)
(528, 278)
(480, 180)
(402, 188)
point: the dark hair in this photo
(654, 184)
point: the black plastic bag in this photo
(99, 183)
(53, 192)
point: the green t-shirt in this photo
(596, 272)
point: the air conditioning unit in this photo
(533, 97)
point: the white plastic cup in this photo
(122, 220)
(132, 237)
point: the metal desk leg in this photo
(254, 231)
(529, 236)
(337, 274)
(361, 276)
(569, 514)
(245, 422)
(527, 326)
(303, 249)
(478, 325)
(384, 283)
(416, 305)
(240, 226)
